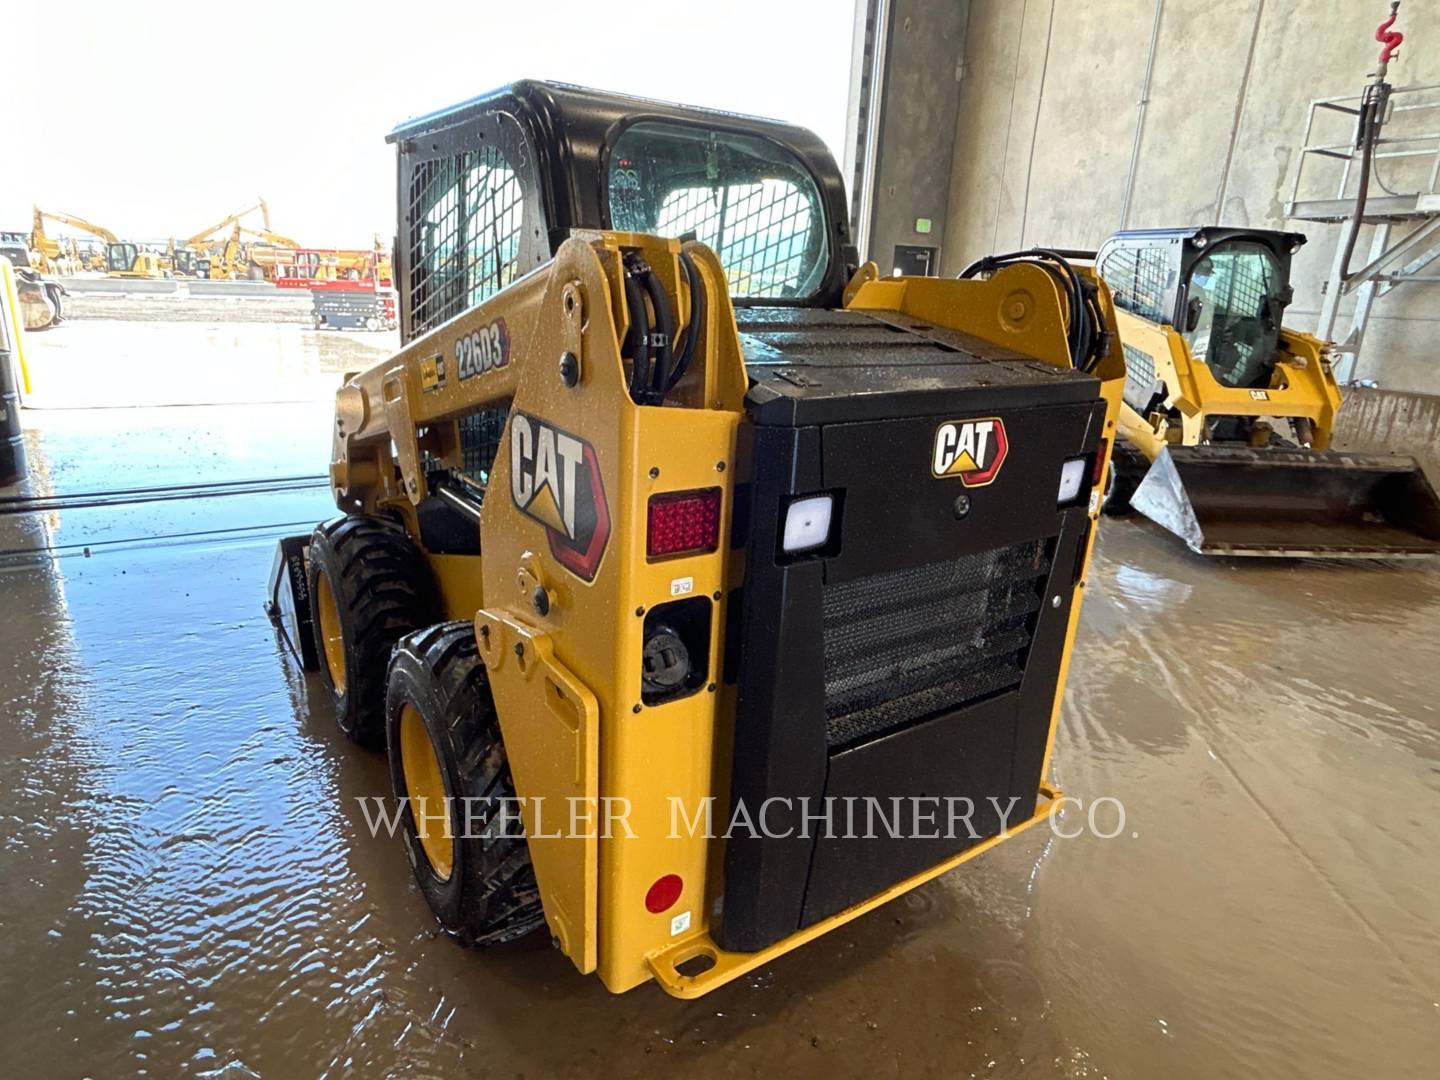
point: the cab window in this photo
(474, 223)
(745, 197)
(1234, 305)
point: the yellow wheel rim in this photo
(421, 766)
(330, 631)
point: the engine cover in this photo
(908, 666)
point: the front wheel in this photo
(450, 774)
(369, 587)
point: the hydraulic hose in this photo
(637, 337)
(662, 334)
(1372, 108)
(692, 327)
(1368, 133)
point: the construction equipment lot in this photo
(188, 884)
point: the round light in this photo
(663, 893)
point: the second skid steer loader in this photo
(744, 578)
(1227, 416)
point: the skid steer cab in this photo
(704, 589)
(1227, 416)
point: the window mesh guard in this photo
(1137, 277)
(1239, 287)
(466, 217)
(760, 232)
(480, 434)
(1139, 378)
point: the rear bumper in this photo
(665, 964)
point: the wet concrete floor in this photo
(187, 886)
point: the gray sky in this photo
(157, 119)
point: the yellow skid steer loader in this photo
(1227, 416)
(744, 578)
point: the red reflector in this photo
(1099, 462)
(685, 522)
(663, 893)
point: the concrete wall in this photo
(1391, 422)
(1047, 118)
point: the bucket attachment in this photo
(288, 602)
(1292, 502)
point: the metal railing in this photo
(1407, 102)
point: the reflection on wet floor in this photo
(103, 363)
(187, 885)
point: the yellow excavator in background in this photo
(274, 239)
(185, 262)
(270, 252)
(229, 259)
(1227, 416)
(49, 255)
(122, 258)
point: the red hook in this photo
(1391, 39)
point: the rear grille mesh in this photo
(904, 645)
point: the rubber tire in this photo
(490, 896)
(383, 591)
(1127, 468)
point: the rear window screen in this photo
(748, 199)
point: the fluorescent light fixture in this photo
(1072, 476)
(807, 523)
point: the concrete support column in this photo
(904, 102)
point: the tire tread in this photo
(499, 899)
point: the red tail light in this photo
(664, 893)
(1099, 462)
(683, 523)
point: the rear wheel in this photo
(369, 587)
(450, 773)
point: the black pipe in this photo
(1369, 131)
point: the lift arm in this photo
(273, 239)
(206, 236)
(37, 236)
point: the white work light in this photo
(807, 523)
(1072, 475)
